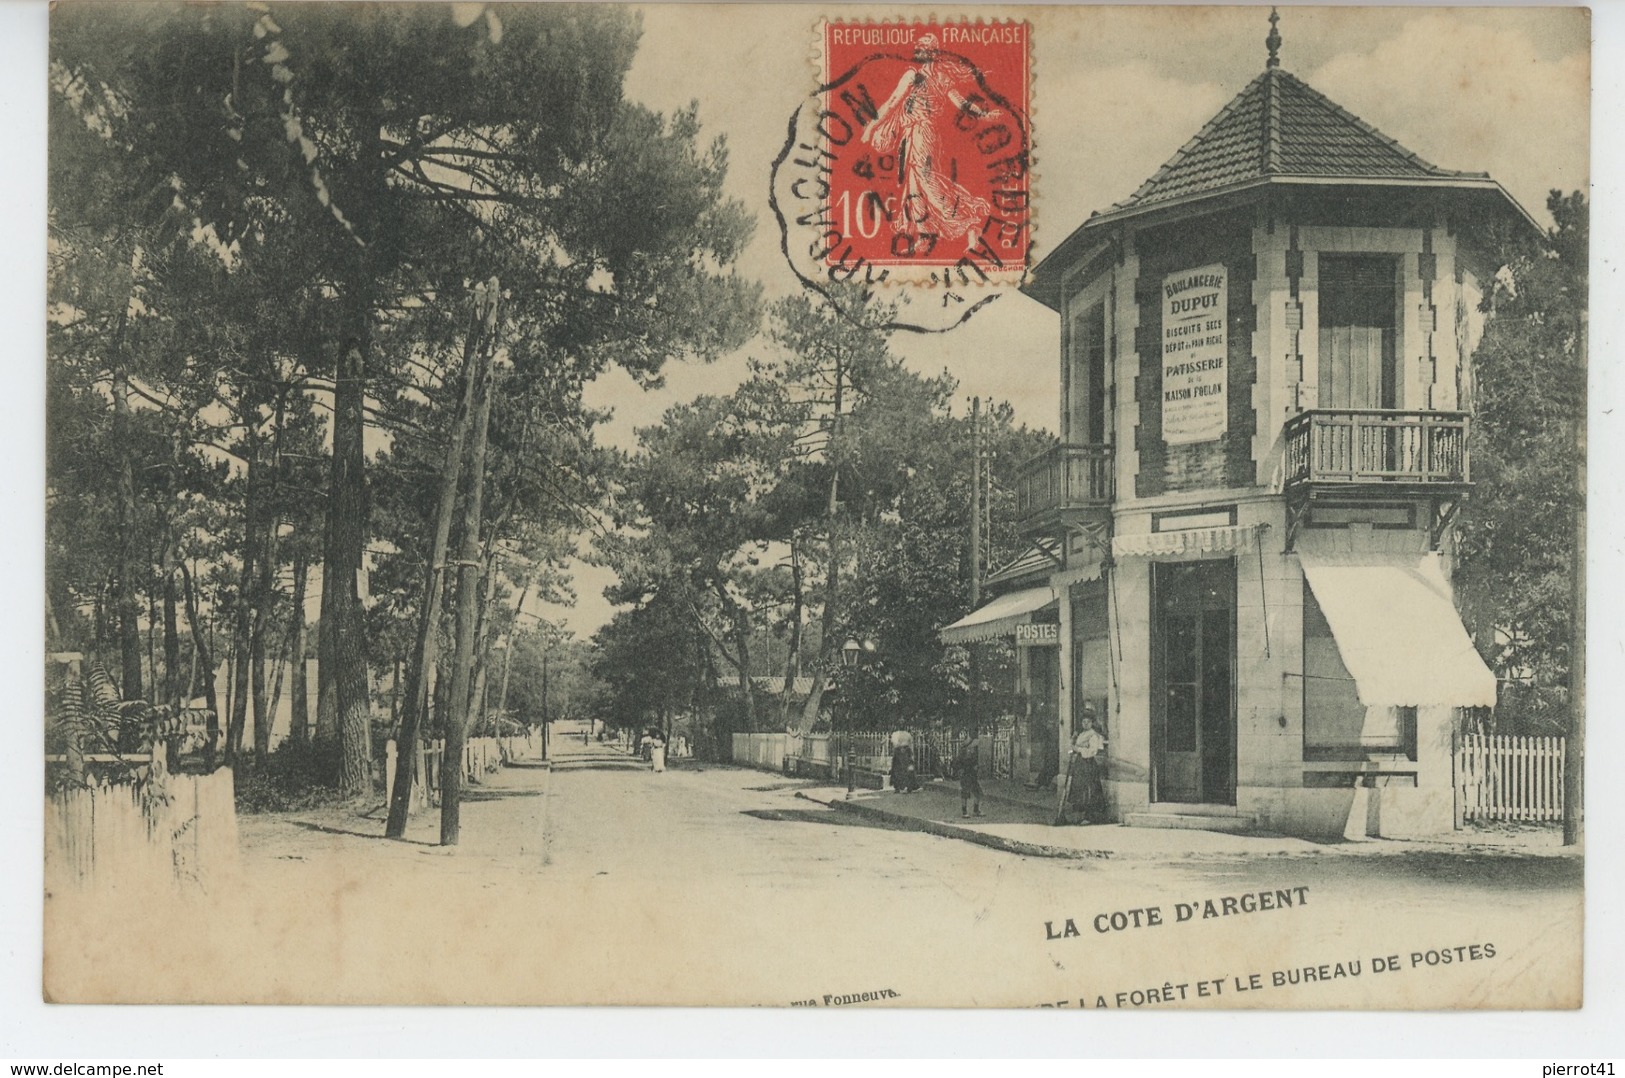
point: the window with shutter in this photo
(1359, 366)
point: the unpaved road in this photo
(603, 882)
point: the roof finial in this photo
(1274, 40)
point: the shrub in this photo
(296, 775)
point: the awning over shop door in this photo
(998, 618)
(1397, 630)
(1185, 541)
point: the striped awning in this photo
(1185, 541)
(1000, 617)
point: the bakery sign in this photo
(1194, 342)
(1046, 634)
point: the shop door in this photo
(1044, 688)
(1193, 660)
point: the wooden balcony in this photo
(1066, 483)
(1375, 452)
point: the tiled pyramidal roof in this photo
(1280, 126)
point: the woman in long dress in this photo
(904, 773)
(1085, 792)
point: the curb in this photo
(964, 834)
(1374, 849)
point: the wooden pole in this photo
(415, 706)
(468, 583)
(975, 503)
(973, 702)
(832, 575)
(502, 686)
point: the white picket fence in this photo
(180, 832)
(1499, 777)
(481, 756)
(871, 750)
(760, 750)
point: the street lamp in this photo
(849, 659)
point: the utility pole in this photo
(547, 719)
(425, 652)
(975, 697)
(469, 566)
(976, 502)
(507, 652)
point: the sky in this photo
(1116, 92)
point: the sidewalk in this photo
(1025, 825)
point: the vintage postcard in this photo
(816, 506)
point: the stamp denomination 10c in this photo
(928, 126)
(911, 165)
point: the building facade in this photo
(1241, 549)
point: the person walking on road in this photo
(657, 750)
(974, 759)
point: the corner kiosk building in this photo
(1245, 536)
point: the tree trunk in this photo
(342, 639)
(414, 714)
(507, 654)
(239, 703)
(262, 704)
(747, 683)
(172, 632)
(395, 697)
(276, 690)
(260, 610)
(792, 660)
(242, 637)
(482, 638)
(125, 606)
(327, 693)
(468, 584)
(299, 726)
(200, 647)
(832, 576)
(502, 685)
(241, 663)
(152, 646)
(482, 686)
(1574, 745)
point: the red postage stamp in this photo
(927, 126)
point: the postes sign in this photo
(1043, 634)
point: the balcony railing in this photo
(1342, 447)
(1065, 477)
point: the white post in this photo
(389, 764)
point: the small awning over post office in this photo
(1397, 630)
(998, 618)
